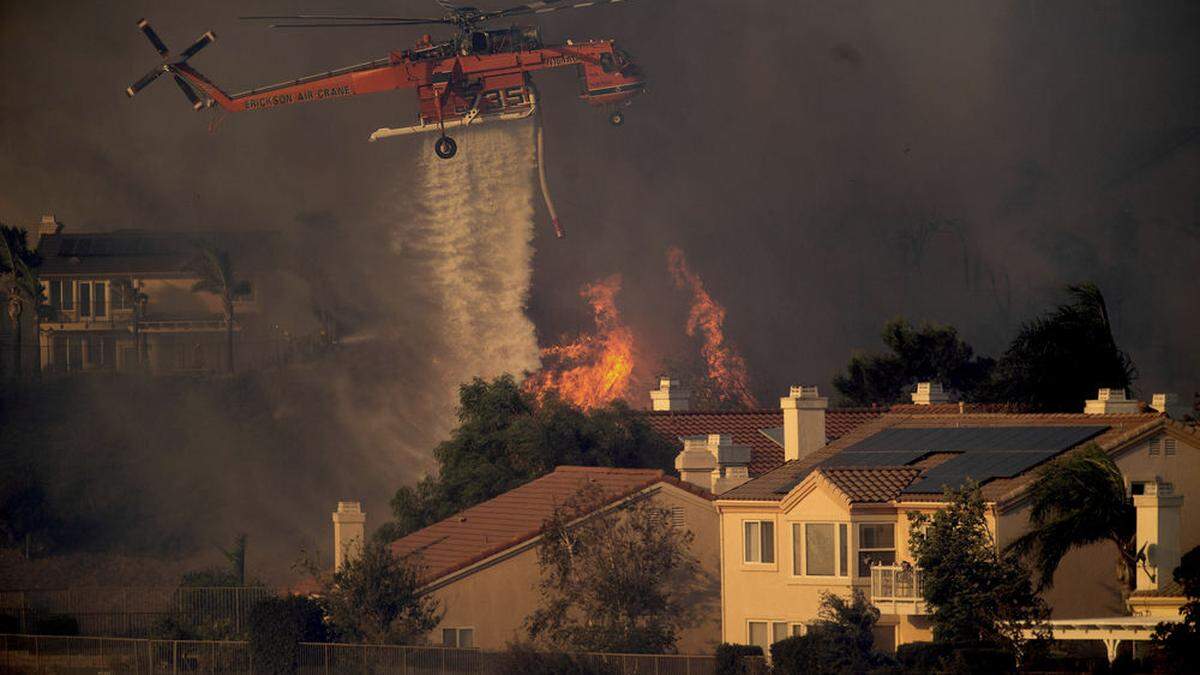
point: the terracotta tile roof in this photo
(772, 485)
(517, 515)
(872, 484)
(1171, 589)
(746, 428)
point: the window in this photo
(463, 638)
(759, 541)
(68, 295)
(85, 299)
(56, 294)
(1168, 446)
(876, 546)
(98, 298)
(766, 633)
(1155, 447)
(797, 629)
(820, 549)
(677, 519)
(121, 298)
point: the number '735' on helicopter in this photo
(477, 76)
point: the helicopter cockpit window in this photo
(606, 62)
(479, 43)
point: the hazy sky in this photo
(825, 165)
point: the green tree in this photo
(613, 580)
(842, 640)
(216, 275)
(136, 300)
(1059, 360)
(1077, 500)
(19, 285)
(375, 597)
(1181, 639)
(929, 353)
(506, 438)
(976, 594)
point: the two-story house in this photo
(123, 300)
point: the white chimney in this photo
(48, 226)
(1111, 402)
(1169, 405)
(714, 462)
(803, 422)
(349, 523)
(697, 463)
(669, 396)
(929, 393)
(1158, 532)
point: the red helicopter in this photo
(479, 76)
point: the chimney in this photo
(669, 396)
(348, 525)
(803, 422)
(696, 464)
(1158, 532)
(713, 462)
(49, 226)
(929, 393)
(1111, 402)
(1168, 404)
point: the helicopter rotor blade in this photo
(144, 81)
(544, 7)
(189, 93)
(201, 43)
(159, 45)
(364, 24)
(326, 20)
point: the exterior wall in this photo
(1086, 584)
(496, 596)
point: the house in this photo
(482, 563)
(836, 519)
(91, 324)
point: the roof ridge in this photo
(579, 468)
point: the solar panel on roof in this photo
(775, 434)
(67, 247)
(978, 467)
(895, 458)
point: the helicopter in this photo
(478, 76)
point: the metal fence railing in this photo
(132, 612)
(51, 654)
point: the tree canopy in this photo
(975, 593)
(1079, 499)
(842, 640)
(506, 438)
(1181, 639)
(928, 353)
(619, 580)
(1054, 363)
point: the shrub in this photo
(169, 628)
(946, 657)
(524, 659)
(731, 658)
(277, 626)
(56, 624)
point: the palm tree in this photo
(137, 302)
(215, 271)
(1077, 500)
(18, 283)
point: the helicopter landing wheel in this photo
(616, 118)
(445, 147)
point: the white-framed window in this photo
(85, 299)
(764, 632)
(820, 549)
(463, 638)
(759, 541)
(876, 546)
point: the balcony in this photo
(898, 589)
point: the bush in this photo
(524, 659)
(169, 628)
(731, 658)
(945, 657)
(277, 626)
(56, 624)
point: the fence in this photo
(46, 654)
(133, 612)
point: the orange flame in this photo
(726, 368)
(595, 369)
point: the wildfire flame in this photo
(594, 369)
(726, 368)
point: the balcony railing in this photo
(898, 589)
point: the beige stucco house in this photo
(836, 518)
(481, 564)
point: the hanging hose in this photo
(541, 162)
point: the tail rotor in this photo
(169, 63)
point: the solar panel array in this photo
(982, 453)
(120, 246)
